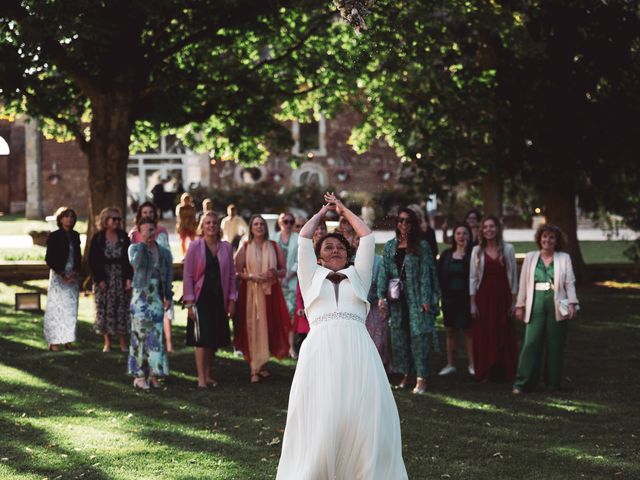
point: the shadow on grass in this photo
(31, 450)
(460, 429)
(232, 424)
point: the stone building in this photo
(39, 174)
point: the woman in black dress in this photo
(209, 294)
(453, 273)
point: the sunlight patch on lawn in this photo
(15, 376)
(33, 342)
(467, 404)
(575, 406)
(619, 285)
(602, 460)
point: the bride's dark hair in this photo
(340, 237)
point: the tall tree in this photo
(98, 70)
(539, 92)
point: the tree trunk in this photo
(491, 189)
(108, 153)
(560, 208)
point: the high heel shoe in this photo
(403, 383)
(255, 378)
(141, 383)
(421, 387)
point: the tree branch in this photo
(296, 46)
(13, 9)
(75, 127)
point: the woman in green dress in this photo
(411, 317)
(546, 300)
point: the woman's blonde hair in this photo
(105, 214)
(184, 196)
(483, 241)
(203, 216)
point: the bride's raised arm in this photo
(358, 225)
(307, 261)
(365, 255)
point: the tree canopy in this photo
(539, 92)
(102, 71)
(542, 93)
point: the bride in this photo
(342, 421)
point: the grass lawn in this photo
(18, 225)
(76, 415)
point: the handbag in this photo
(563, 306)
(395, 286)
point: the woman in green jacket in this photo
(412, 316)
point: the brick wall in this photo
(346, 170)
(364, 172)
(71, 166)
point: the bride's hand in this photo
(326, 208)
(334, 202)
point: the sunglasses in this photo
(288, 222)
(404, 220)
(299, 225)
(116, 219)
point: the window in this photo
(309, 138)
(249, 175)
(310, 174)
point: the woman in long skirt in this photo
(493, 286)
(152, 296)
(112, 274)
(263, 323)
(342, 421)
(63, 258)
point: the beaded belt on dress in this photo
(336, 316)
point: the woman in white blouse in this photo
(342, 420)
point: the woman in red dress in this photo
(493, 287)
(263, 322)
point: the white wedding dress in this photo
(342, 421)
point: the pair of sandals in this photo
(142, 384)
(263, 374)
(56, 348)
(420, 388)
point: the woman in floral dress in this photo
(112, 276)
(152, 296)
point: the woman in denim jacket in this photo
(152, 296)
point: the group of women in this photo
(481, 296)
(132, 278)
(474, 282)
